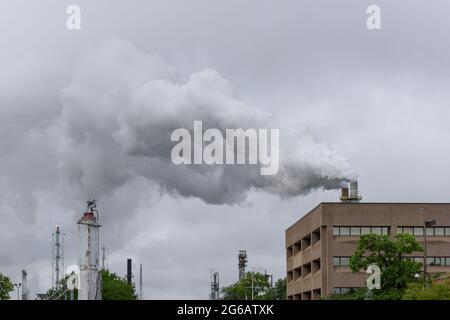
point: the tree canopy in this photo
(113, 288)
(116, 288)
(391, 256)
(257, 283)
(432, 291)
(6, 286)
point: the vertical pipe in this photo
(129, 271)
(141, 294)
(24, 285)
(424, 252)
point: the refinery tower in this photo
(88, 254)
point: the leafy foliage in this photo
(113, 288)
(278, 292)
(391, 256)
(116, 288)
(6, 286)
(242, 290)
(432, 291)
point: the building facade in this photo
(319, 245)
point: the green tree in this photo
(433, 291)
(278, 292)
(113, 288)
(116, 288)
(390, 255)
(6, 286)
(242, 290)
(60, 293)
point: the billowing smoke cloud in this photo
(119, 112)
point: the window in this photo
(306, 242)
(306, 269)
(358, 231)
(433, 261)
(355, 231)
(336, 261)
(432, 231)
(297, 273)
(289, 276)
(345, 231)
(376, 230)
(418, 231)
(341, 261)
(345, 261)
(316, 236)
(344, 290)
(289, 252)
(316, 265)
(418, 259)
(336, 231)
(297, 247)
(408, 230)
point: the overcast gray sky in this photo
(75, 104)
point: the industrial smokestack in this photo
(129, 273)
(354, 190)
(88, 254)
(351, 194)
(344, 194)
(24, 285)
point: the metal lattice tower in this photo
(57, 257)
(214, 286)
(242, 258)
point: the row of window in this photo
(431, 261)
(358, 231)
(418, 231)
(434, 261)
(341, 261)
(344, 290)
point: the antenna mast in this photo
(57, 257)
(242, 258)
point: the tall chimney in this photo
(350, 194)
(354, 190)
(129, 273)
(24, 285)
(344, 194)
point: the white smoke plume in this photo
(119, 112)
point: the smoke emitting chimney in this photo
(351, 194)
(129, 273)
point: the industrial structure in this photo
(242, 263)
(129, 272)
(215, 287)
(25, 290)
(88, 254)
(57, 257)
(141, 290)
(320, 244)
(104, 253)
